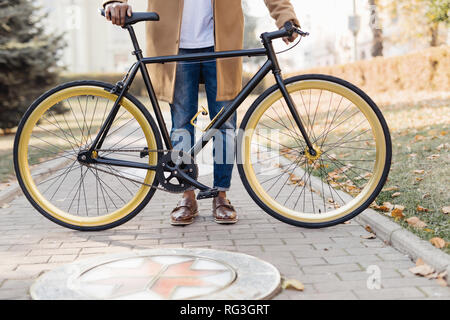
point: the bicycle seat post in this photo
(137, 50)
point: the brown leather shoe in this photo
(223, 211)
(185, 212)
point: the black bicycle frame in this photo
(122, 88)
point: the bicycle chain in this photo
(131, 150)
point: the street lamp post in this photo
(354, 24)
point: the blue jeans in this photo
(185, 106)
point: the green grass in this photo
(412, 149)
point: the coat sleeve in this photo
(109, 1)
(282, 11)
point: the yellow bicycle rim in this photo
(352, 205)
(30, 184)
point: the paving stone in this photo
(318, 278)
(390, 293)
(363, 274)
(63, 258)
(339, 286)
(436, 292)
(16, 284)
(53, 252)
(349, 259)
(332, 268)
(25, 260)
(404, 282)
(343, 295)
(14, 294)
(311, 261)
(87, 244)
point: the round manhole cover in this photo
(170, 274)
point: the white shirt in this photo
(197, 27)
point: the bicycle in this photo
(325, 161)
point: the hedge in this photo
(427, 70)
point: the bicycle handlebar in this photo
(287, 31)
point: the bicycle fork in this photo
(267, 42)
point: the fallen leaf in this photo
(426, 195)
(444, 133)
(419, 179)
(419, 171)
(433, 275)
(413, 155)
(397, 194)
(394, 188)
(422, 209)
(292, 284)
(420, 262)
(5, 206)
(446, 210)
(443, 275)
(388, 205)
(416, 223)
(422, 270)
(381, 208)
(419, 138)
(433, 157)
(438, 242)
(369, 229)
(397, 214)
(370, 236)
(428, 230)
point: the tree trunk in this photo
(377, 31)
(434, 29)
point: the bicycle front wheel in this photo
(352, 160)
(57, 128)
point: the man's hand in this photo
(292, 38)
(116, 12)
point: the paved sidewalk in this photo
(333, 263)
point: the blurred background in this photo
(342, 31)
(396, 51)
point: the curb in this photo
(9, 194)
(405, 241)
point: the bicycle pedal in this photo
(208, 194)
(144, 153)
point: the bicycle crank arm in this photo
(205, 192)
(189, 180)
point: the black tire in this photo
(30, 110)
(364, 205)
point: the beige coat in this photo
(163, 39)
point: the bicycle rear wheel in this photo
(351, 139)
(61, 124)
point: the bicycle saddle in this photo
(137, 17)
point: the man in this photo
(188, 26)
